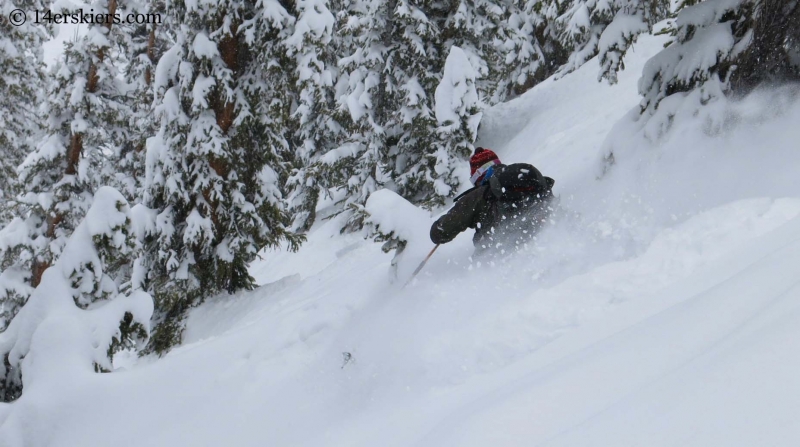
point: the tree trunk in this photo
(225, 112)
(151, 55)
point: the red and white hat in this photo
(480, 162)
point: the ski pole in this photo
(421, 264)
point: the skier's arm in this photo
(458, 219)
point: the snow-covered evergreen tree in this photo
(395, 54)
(93, 270)
(607, 28)
(16, 251)
(313, 49)
(774, 53)
(143, 45)
(508, 42)
(533, 52)
(720, 46)
(721, 49)
(215, 168)
(58, 178)
(482, 30)
(355, 165)
(709, 36)
(458, 112)
(580, 28)
(413, 71)
(20, 87)
(633, 18)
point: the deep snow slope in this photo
(662, 307)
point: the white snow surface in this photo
(662, 307)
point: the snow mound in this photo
(395, 218)
(52, 342)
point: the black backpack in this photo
(518, 181)
(514, 182)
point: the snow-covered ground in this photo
(662, 307)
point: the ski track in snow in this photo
(660, 308)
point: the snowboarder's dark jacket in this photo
(498, 223)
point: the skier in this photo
(506, 207)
